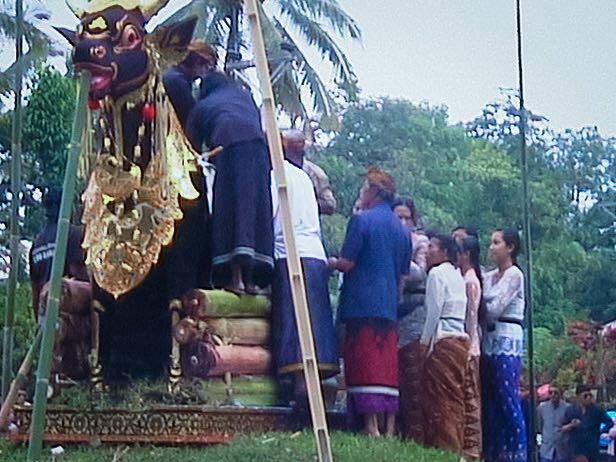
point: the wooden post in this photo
(9, 314)
(37, 427)
(296, 276)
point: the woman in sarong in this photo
(468, 262)
(504, 430)
(411, 319)
(375, 254)
(446, 345)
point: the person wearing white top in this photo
(446, 345)
(504, 429)
(286, 348)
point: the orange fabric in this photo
(443, 394)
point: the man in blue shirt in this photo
(375, 254)
(583, 424)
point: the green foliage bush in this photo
(25, 327)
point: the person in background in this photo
(286, 348)
(460, 233)
(294, 143)
(468, 262)
(582, 423)
(445, 345)
(504, 430)
(406, 211)
(44, 247)
(375, 254)
(411, 319)
(550, 420)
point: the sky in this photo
(460, 52)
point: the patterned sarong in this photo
(411, 414)
(443, 394)
(504, 430)
(472, 410)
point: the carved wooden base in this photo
(162, 425)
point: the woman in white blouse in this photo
(504, 431)
(446, 346)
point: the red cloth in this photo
(371, 358)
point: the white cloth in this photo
(305, 214)
(504, 298)
(445, 304)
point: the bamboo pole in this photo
(9, 314)
(18, 382)
(298, 289)
(37, 427)
(531, 431)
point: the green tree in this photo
(48, 117)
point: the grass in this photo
(271, 447)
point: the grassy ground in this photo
(272, 447)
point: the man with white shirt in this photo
(446, 345)
(551, 416)
(286, 348)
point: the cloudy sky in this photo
(460, 52)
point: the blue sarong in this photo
(286, 348)
(504, 429)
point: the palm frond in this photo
(329, 10)
(315, 35)
(29, 61)
(322, 100)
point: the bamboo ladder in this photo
(296, 276)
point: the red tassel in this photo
(149, 111)
(94, 104)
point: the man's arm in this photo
(340, 264)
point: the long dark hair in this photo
(472, 246)
(409, 204)
(512, 239)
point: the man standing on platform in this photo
(294, 142)
(242, 234)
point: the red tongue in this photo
(98, 82)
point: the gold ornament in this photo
(85, 7)
(130, 209)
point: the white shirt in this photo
(305, 213)
(504, 298)
(445, 304)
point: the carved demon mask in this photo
(111, 42)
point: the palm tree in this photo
(287, 26)
(38, 45)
